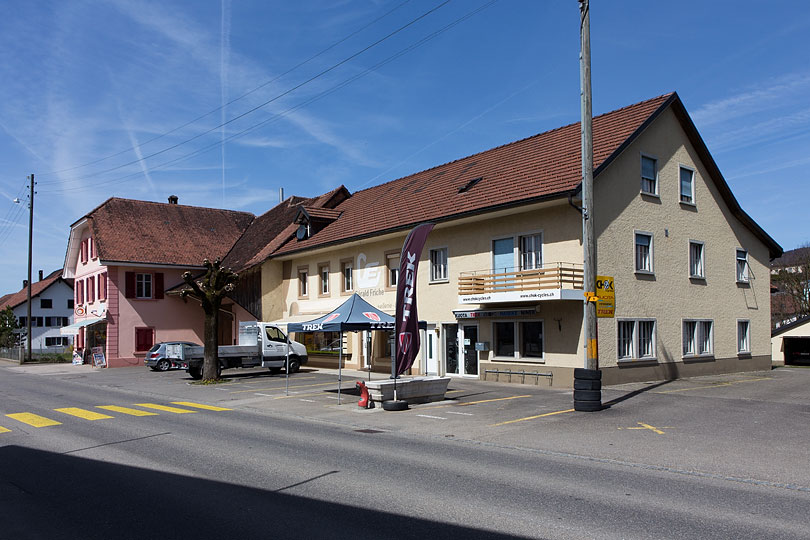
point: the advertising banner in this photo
(407, 320)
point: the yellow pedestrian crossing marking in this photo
(83, 413)
(200, 406)
(4, 430)
(34, 420)
(126, 410)
(166, 408)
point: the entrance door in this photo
(431, 340)
(450, 348)
(469, 338)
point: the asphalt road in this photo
(715, 457)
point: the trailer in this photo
(260, 345)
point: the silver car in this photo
(156, 357)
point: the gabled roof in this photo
(38, 287)
(130, 231)
(543, 167)
(259, 240)
(313, 213)
(785, 327)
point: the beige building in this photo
(500, 279)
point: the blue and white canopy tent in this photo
(353, 315)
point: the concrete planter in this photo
(412, 390)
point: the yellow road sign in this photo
(606, 297)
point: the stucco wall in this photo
(670, 295)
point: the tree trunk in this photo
(211, 356)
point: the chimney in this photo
(25, 283)
(40, 275)
(281, 194)
(173, 199)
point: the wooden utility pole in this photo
(30, 245)
(588, 238)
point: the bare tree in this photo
(790, 274)
(210, 288)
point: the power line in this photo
(261, 105)
(288, 111)
(246, 94)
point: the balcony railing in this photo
(557, 276)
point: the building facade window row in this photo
(636, 338)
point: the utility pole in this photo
(590, 373)
(30, 245)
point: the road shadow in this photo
(635, 393)
(45, 495)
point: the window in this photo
(39, 322)
(649, 176)
(303, 282)
(644, 253)
(531, 252)
(696, 266)
(91, 289)
(143, 289)
(742, 266)
(687, 185)
(274, 334)
(70, 303)
(56, 342)
(698, 338)
(322, 343)
(529, 339)
(45, 303)
(102, 286)
(144, 339)
(438, 264)
(323, 274)
(56, 321)
(346, 270)
(636, 339)
(743, 337)
(22, 321)
(504, 338)
(392, 264)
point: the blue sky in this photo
(109, 83)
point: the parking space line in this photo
(166, 408)
(83, 413)
(532, 417)
(200, 406)
(433, 417)
(125, 410)
(33, 420)
(461, 413)
(4, 430)
(474, 402)
(718, 385)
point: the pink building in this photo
(125, 254)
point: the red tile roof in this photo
(20, 297)
(539, 167)
(145, 232)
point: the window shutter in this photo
(84, 251)
(80, 339)
(80, 292)
(93, 253)
(91, 289)
(129, 285)
(102, 286)
(158, 285)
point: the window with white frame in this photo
(303, 282)
(438, 264)
(687, 185)
(521, 339)
(531, 251)
(143, 286)
(392, 266)
(348, 278)
(323, 273)
(698, 337)
(56, 342)
(742, 266)
(636, 339)
(743, 337)
(644, 252)
(649, 176)
(696, 263)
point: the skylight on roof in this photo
(469, 185)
